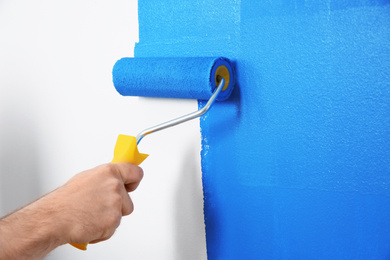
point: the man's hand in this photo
(94, 201)
(88, 208)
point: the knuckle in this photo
(126, 212)
(116, 201)
(129, 209)
(113, 185)
(107, 169)
(115, 220)
(139, 172)
(111, 223)
(116, 186)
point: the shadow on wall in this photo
(19, 169)
(190, 230)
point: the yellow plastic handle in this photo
(126, 151)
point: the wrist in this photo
(51, 226)
(31, 232)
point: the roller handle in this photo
(126, 151)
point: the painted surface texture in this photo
(296, 164)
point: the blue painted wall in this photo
(296, 165)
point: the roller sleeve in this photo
(190, 78)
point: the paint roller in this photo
(202, 78)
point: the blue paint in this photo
(192, 78)
(296, 164)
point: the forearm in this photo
(30, 233)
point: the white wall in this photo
(60, 114)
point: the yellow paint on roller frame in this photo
(223, 72)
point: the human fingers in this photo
(132, 186)
(130, 173)
(103, 238)
(127, 203)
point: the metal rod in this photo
(185, 118)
